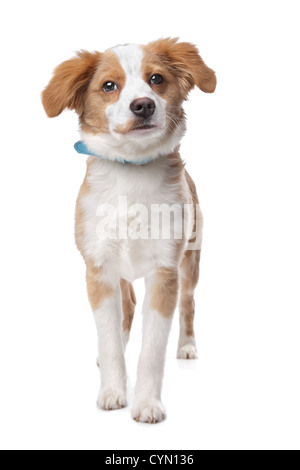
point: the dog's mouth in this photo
(135, 128)
(143, 127)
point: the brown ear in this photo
(69, 82)
(185, 62)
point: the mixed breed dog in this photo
(129, 102)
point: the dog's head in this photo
(129, 98)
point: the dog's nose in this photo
(143, 107)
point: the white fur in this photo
(119, 113)
(151, 146)
(108, 181)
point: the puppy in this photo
(129, 102)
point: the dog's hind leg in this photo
(189, 280)
(128, 305)
(189, 277)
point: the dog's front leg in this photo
(160, 303)
(105, 298)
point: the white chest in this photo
(134, 217)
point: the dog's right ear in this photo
(69, 83)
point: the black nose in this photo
(143, 107)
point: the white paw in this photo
(111, 399)
(148, 412)
(188, 351)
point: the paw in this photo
(151, 412)
(188, 351)
(111, 399)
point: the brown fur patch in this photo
(177, 168)
(69, 83)
(78, 84)
(193, 190)
(128, 304)
(179, 176)
(96, 100)
(190, 271)
(97, 289)
(165, 292)
(189, 281)
(169, 89)
(184, 63)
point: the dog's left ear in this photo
(184, 60)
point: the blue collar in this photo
(80, 147)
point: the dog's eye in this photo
(156, 79)
(108, 87)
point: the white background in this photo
(242, 148)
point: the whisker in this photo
(173, 120)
